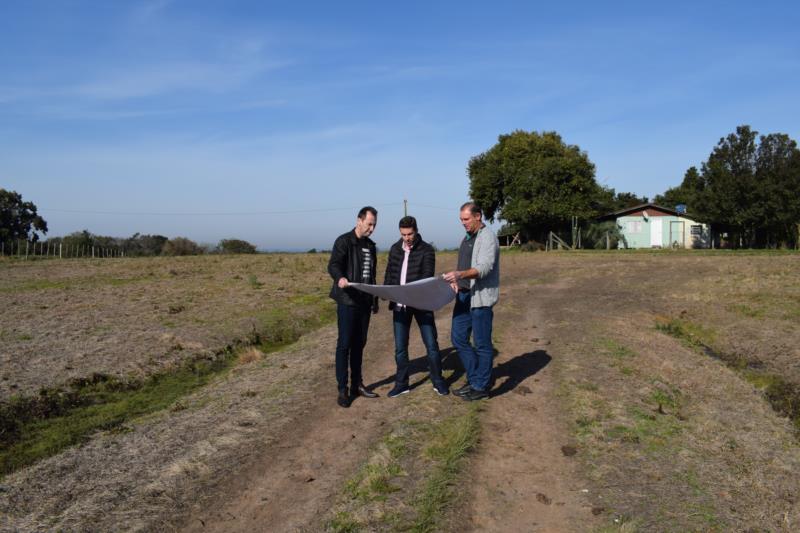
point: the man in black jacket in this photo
(353, 258)
(412, 259)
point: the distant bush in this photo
(144, 245)
(182, 246)
(532, 246)
(235, 246)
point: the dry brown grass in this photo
(670, 438)
(66, 319)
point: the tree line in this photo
(748, 188)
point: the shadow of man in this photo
(449, 361)
(517, 370)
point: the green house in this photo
(652, 226)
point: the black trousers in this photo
(353, 325)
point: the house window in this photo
(633, 226)
(697, 230)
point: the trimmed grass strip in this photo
(457, 436)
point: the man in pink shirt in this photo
(412, 259)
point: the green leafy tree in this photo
(235, 246)
(19, 219)
(535, 182)
(144, 245)
(686, 193)
(749, 188)
(609, 201)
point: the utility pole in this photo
(405, 207)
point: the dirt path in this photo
(523, 476)
(520, 477)
(292, 485)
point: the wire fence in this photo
(41, 249)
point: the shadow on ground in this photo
(515, 370)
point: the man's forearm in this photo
(456, 275)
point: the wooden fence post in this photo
(59, 250)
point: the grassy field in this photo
(680, 373)
(91, 344)
(68, 319)
(678, 377)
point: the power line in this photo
(207, 214)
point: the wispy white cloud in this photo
(137, 82)
(149, 9)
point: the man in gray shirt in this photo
(478, 281)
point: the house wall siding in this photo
(675, 230)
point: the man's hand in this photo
(343, 283)
(454, 286)
(452, 277)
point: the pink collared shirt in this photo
(404, 268)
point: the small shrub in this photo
(181, 246)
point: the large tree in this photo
(18, 219)
(686, 193)
(750, 188)
(535, 182)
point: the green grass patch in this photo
(344, 522)
(614, 349)
(747, 310)
(408, 481)
(692, 334)
(38, 427)
(455, 437)
(620, 355)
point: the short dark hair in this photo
(367, 209)
(408, 222)
(473, 208)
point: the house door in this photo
(676, 234)
(656, 232)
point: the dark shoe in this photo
(441, 389)
(363, 391)
(398, 390)
(463, 390)
(344, 399)
(473, 395)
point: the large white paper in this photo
(429, 294)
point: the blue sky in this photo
(275, 121)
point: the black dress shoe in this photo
(361, 390)
(473, 395)
(463, 390)
(343, 400)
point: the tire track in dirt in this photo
(295, 482)
(518, 480)
(522, 477)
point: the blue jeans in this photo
(427, 327)
(353, 325)
(477, 322)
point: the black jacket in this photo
(421, 263)
(345, 262)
